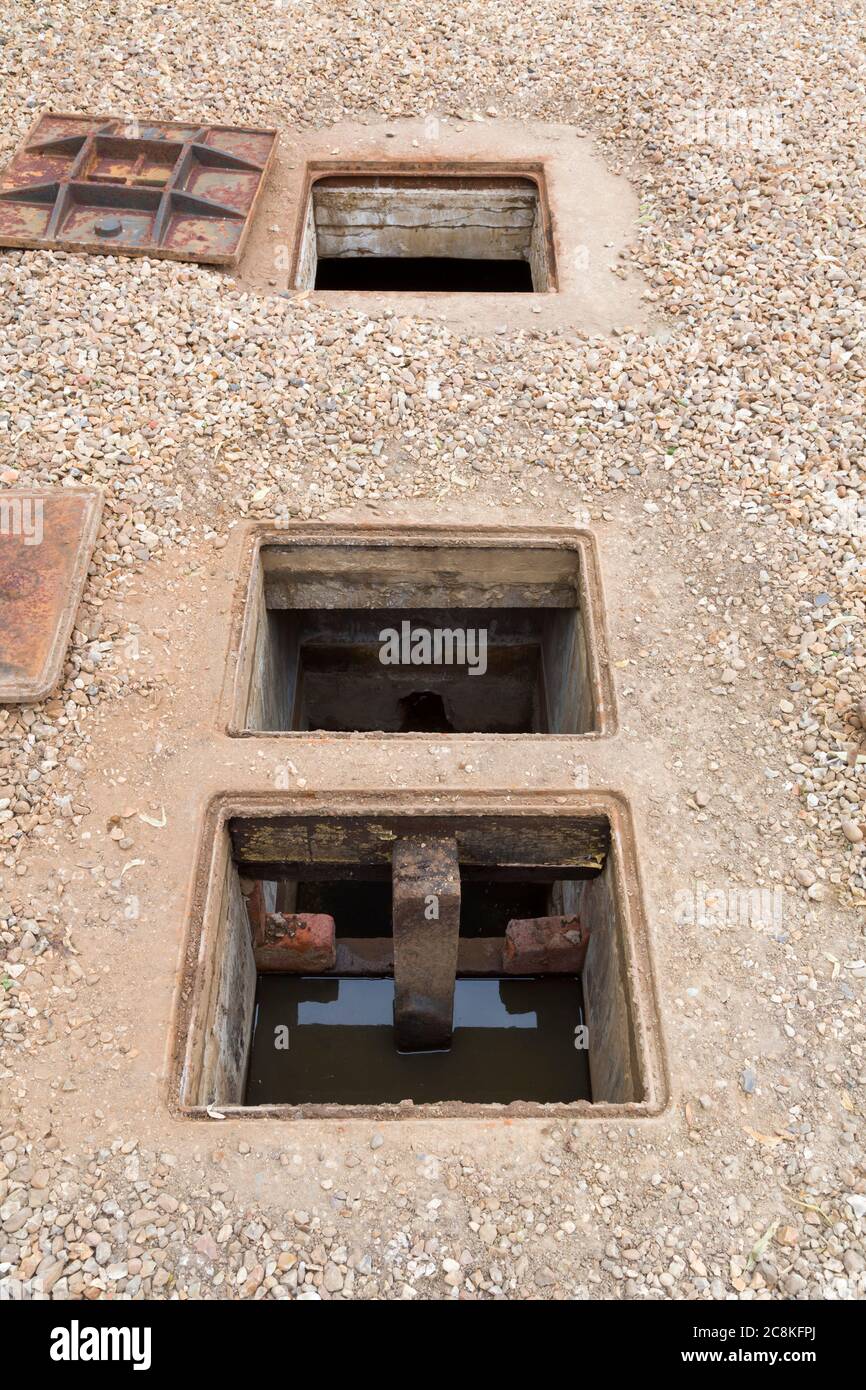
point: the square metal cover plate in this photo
(46, 541)
(183, 192)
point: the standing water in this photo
(324, 1039)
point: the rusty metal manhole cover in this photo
(46, 540)
(155, 188)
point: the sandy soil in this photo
(712, 439)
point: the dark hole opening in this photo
(423, 274)
(500, 671)
(423, 712)
(361, 908)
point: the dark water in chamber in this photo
(513, 1040)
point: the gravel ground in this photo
(192, 403)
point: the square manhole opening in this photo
(308, 980)
(398, 637)
(426, 231)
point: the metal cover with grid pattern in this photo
(163, 189)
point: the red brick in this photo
(545, 945)
(297, 943)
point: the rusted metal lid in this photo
(151, 188)
(46, 541)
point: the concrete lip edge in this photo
(593, 211)
(433, 167)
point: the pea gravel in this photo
(194, 402)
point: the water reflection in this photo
(369, 1003)
(326, 1039)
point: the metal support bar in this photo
(426, 915)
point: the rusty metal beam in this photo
(426, 893)
(372, 956)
